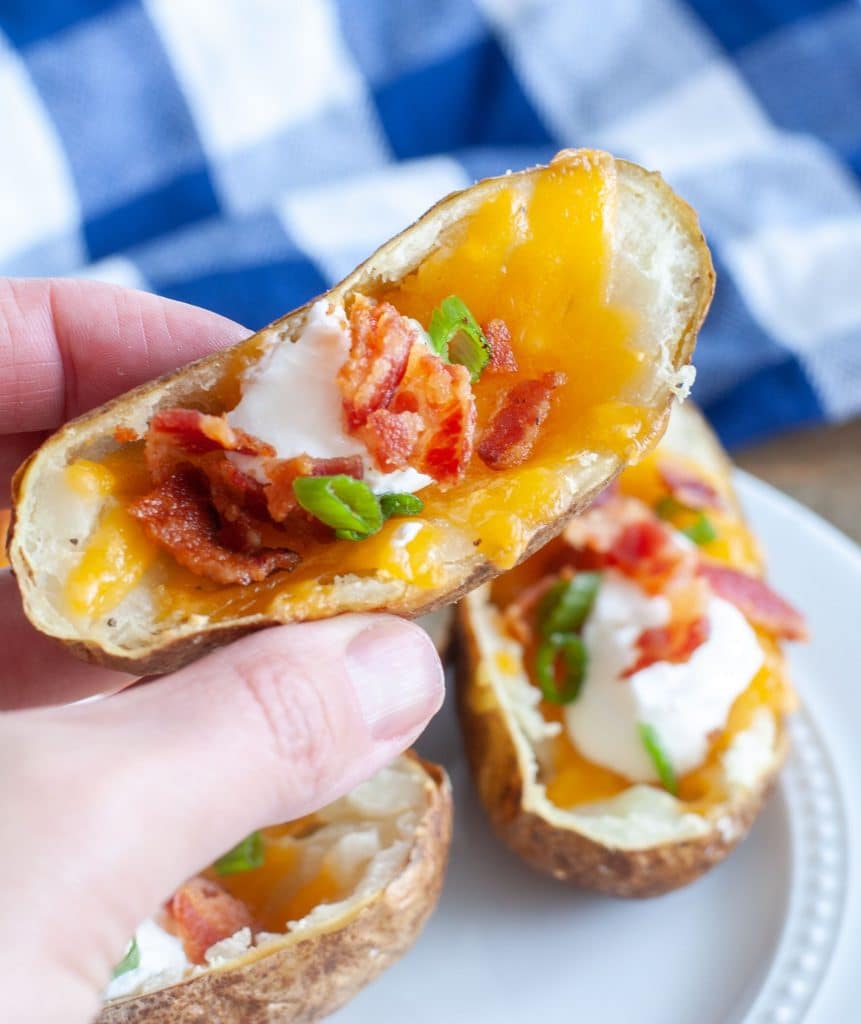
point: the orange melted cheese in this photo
(279, 891)
(117, 554)
(573, 778)
(537, 254)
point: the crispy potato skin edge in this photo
(311, 978)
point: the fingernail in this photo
(396, 673)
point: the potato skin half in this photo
(500, 774)
(174, 647)
(307, 979)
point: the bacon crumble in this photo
(755, 599)
(644, 551)
(675, 643)
(382, 340)
(179, 516)
(502, 359)
(513, 429)
(441, 395)
(392, 437)
(177, 436)
(202, 913)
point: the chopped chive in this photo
(655, 750)
(400, 505)
(349, 506)
(701, 531)
(568, 647)
(131, 960)
(457, 338)
(245, 856)
(564, 607)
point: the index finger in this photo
(69, 345)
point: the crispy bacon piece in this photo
(644, 551)
(178, 515)
(392, 437)
(441, 395)
(235, 494)
(198, 432)
(756, 600)
(675, 642)
(203, 913)
(381, 344)
(181, 435)
(406, 404)
(625, 534)
(280, 499)
(502, 358)
(513, 429)
(687, 488)
(643, 546)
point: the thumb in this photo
(147, 787)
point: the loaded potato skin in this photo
(631, 836)
(459, 424)
(324, 960)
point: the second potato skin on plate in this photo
(577, 848)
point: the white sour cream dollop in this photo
(683, 702)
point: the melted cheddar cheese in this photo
(280, 891)
(537, 254)
(117, 553)
(573, 779)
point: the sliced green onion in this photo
(349, 506)
(701, 531)
(572, 651)
(400, 505)
(245, 856)
(668, 507)
(564, 607)
(131, 960)
(457, 338)
(662, 763)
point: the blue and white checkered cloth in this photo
(243, 154)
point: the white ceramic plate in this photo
(772, 936)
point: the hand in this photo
(108, 806)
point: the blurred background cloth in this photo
(244, 154)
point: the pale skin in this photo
(108, 806)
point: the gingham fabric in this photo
(243, 154)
